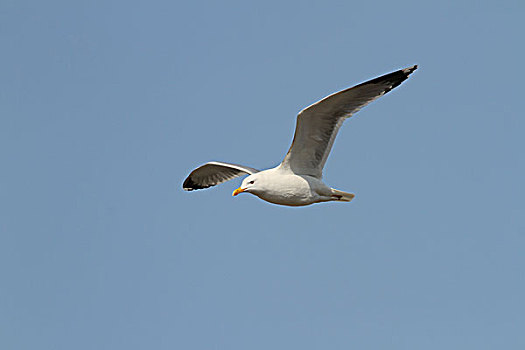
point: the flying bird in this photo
(297, 181)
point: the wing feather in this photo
(214, 173)
(318, 124)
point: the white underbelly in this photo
(294, 190)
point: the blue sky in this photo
(106, 106)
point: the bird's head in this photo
(249, 184)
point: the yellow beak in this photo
(237, 191)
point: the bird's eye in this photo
(251, 182)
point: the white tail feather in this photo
(342, 196)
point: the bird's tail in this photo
(342, 196)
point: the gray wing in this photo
(318, 124)
(214, 173)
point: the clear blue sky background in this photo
(106, 106)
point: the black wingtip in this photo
(410, 70)
(394, 78)
(188, 184)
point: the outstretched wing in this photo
(214, 173)
(318, 124)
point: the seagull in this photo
(297, 181)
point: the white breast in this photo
(290, 189)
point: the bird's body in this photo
(279, 186)
(297, 181)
